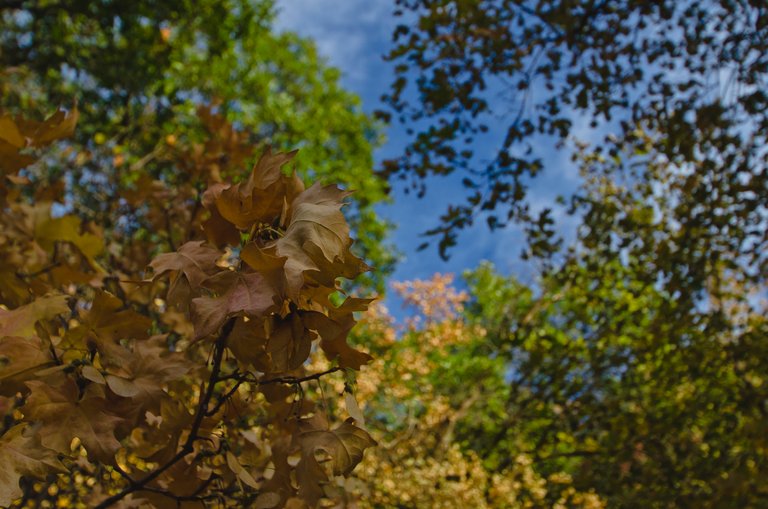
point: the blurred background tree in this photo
(487, 89)
(634, 362)
(142, 70)
(595, 389)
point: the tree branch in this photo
(297, 380)
(206, 394)
(248, 377)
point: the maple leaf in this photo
(334, 331)
(241, 472)
(184, 478)
(59, 125)
(238, 293)
(195, 260)
(64, 415)
(265, 261)
(17, 357)
(14, 290)
(261, 198)
(157, 439)
(316, 242)
(21, 321)
(273, 345)
(10, 133)
(107, 322)
(48, 230)
(142, 374)
(280, 483)
(288, 346)
(11, 142)
(344, 446)
(218, 230)
(21, 454)
(18, 133)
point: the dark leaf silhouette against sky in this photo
(487, 102)
(354, 36)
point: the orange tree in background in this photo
(186, 389)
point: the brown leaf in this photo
(238, 294)
(333, 338)
(344, 447)
(21, 454)
(20, 357)
(59, 125)
(184, 478)
(189, 267)
(353, 409)
(195, 260)
(266, 501)
(18, 133)
(64, 415)
(260, 198)
(241, 472)
(219, 231)
(21, 321)
(108, 321)
(266, 262)
(157, 439)
(274, 345)
(10, 133)
(280, 482)
(48, 230)
(146, 370)
(316, 242)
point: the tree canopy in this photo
(142, 70)
(177, 322)
(593, 389)
(632, 365)
(690, 75)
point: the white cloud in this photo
(351, 34)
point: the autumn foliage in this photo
(418, 413)
(170, 371)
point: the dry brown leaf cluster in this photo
(184, 388)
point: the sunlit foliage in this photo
(141, 69)
(184, 388)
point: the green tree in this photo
(141, 70)
(691, 74)
(636, 362)
(638, 366)
(645, 402)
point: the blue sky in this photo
(353, 35)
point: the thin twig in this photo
(26, 275)
(202, 409)
(297, 380)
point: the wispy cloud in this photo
(351, 34)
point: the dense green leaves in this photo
(639, 395)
